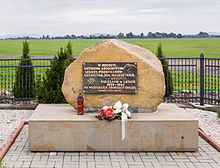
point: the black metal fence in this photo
(193, 79)
(8, 68)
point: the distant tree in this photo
(179, 36)
(203, 34)
(67, 37)
(73, 36)
(49, 89)
(24, 81)
(172, 35)
(130, 35)
(158, 35)
(69, 50)
(150, 35)
(121, 35)
(101, 36)
(81, 37)
(167, 72)
(47, 37)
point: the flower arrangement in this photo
(117, 111)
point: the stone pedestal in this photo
(54, 127)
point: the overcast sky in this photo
(61, 17)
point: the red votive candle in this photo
(80, 104)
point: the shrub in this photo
(167, 72)
(218, 113)
(1, 164)
(24, 82)
(49, 89)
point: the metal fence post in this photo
(201, 79)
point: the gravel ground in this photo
(208, 122)
(9, 121)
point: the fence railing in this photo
(8, 68)
(189, 79)
(195, 80)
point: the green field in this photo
(171, 47)
(180, 80)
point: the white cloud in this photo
(153, 10)
(107, 16)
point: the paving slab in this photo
(19, 156)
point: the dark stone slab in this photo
(110, 77)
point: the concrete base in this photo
(54, 127)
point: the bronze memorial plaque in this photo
(110, 77)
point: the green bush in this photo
(167, 72)
(24, 82)
(49, 89)
(1, 165)
(218, 113)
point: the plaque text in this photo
(110, 77)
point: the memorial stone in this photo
(114, 70)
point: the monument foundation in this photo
(54, 127)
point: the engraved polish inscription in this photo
(110, 77)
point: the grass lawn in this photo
(8, 72)
(180, 80)
(171, 47)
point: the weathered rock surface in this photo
(151, 85)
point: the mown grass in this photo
(8, 73)
(181, 81)
(171, 47)
(43, 47)
(191, 81)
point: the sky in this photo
(62, 17)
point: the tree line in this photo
(122, 36)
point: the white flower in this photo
(106, 107)
(117, 111)
(125, 106)
(117, 105)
